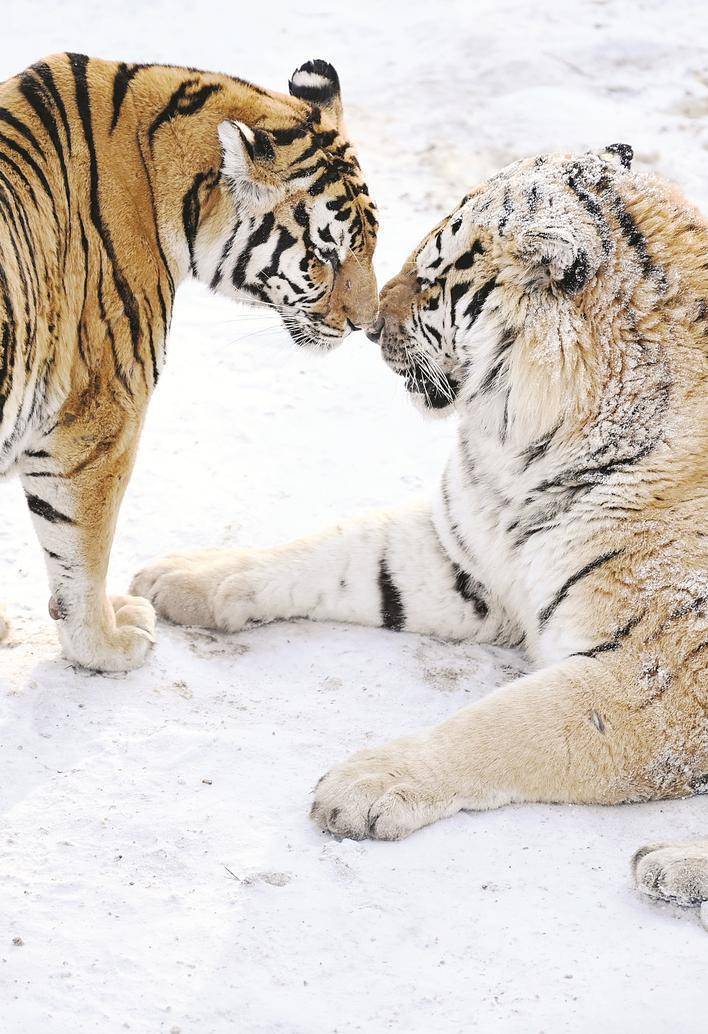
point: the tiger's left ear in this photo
(559, 256)
(248, 164)
(318, 83)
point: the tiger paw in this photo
(383, 794)
(675, 872)
(184, 586)
(122, 646)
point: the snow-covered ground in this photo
(156, 860)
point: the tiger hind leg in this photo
(74, 483)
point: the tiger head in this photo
(299, 230)
(531, 238)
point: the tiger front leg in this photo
(74, 482)
(386, 568)
(574, 733)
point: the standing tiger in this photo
(562, 310)
(116, 182)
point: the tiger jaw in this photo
(438, 394)
(313, 331)
(312, 337)
(424, 379)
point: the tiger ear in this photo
(619, 154)
(556, 255)
(248, 164)
(318, 83)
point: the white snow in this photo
(156, 858)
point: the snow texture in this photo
(159, 872)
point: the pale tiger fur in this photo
(562, 311)
(116, 182)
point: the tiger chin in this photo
(561, 312)
(117, 183)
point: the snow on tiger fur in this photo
(562, 312)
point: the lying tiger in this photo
(116, 183)
(562, 311)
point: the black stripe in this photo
(466, 260)
(182, 102)
(285, 137)
(633, 235)
(79, 323)
(44, 509)
(538, 448)
(392, 613)
(546, 613)
(153, 209)
(151, 338)
(20, 175)
(18, 235)
(218, 272)
(470, 590)
(589, 477)
(26, 132)
(191, 210)
(39, 173)
(121, 82)
(616, 641)
(696, 650)
(592, 205)
(477, 301)
(35, 93)
(117, 364)
(79, 63)
(319, 95)
(7, 357)
(694, 606)
(45, 74)
(577, 274)
(259, 236)
(492, 374)
(285, 240)
(320, 141)
(8, 346)
(30, 323)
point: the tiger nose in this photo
(373, 331)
